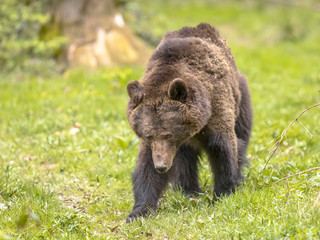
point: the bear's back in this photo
(191, 52)
(203, 31)
(202, 43)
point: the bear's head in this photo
(166, 123)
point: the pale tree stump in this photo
(97, 34)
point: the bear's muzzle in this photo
(163, 153)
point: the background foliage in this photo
(21, 42)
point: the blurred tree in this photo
(96, 32)
(20, 43)
(79, 32)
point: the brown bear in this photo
(191, 98)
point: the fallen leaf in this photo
(27, 158)
(74, 131)
(75, 128)
(113, 228)
(35, 218)
(199, 220)
(83, 150)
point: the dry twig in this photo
(283, 134)
(292, 175)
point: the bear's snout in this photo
(162, 153)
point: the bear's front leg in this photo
(224, 162)
(148, 184)
(185, 170)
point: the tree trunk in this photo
(96, 33)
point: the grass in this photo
(67, 152)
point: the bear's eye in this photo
(167, 136)
(149, 137)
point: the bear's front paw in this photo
(218, 193)
(137, 213)
(131, 217)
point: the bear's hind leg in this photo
(148, 185)
(243, 124)
(185, 170)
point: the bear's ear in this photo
(135, 92)
(178, 90)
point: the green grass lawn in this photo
(67, 151)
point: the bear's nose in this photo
(161, 167)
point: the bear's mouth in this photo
(161, 167)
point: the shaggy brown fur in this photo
(191, 98)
